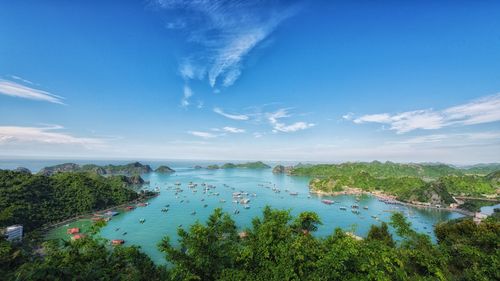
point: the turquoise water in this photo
(159, 224)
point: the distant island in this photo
(164, 170)
(248, 165)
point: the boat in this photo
(142, 220)
(193, 213)
(343, 208)
(124, 233)
(222, 201)
(246, 206)
(354, 206)
(355, 212)
(236, 212)
(164, 210)
(206, 205)
(375, 217)
(294, 193)
(326, 201)
(117, 241)
(365, 207)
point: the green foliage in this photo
(468, 185)
(378, 169)
(205, 250)
(248, 165)
(409, 182)
(34, 200)
(380, 233)
(89, 259)
(276, 247)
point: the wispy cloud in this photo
(483, 110)
(14, 89)
(222, 33)
(241, 117)
(48, 135)
(187, 93)
(233, 130)
(204, 135)
(278, 126)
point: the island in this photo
(430, 185)
(135, 168)
(164, 170)
(280, 169)
(247, 165)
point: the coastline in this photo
(44, 230)
(385, 197)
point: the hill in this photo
(135, 168)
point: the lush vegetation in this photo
(164, 169)
(378, 169)
(405, 188)
(248, 165)
(134, 168)
(35, 200)
(409, 182)
(277, 246)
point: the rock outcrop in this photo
(134, 168)
(23, 170)
(164, 170)
(280, 169)
(66, 167)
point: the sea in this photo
(259, 186)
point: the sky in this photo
(323, 81)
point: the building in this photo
(14, 233)
(479, 217)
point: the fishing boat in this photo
(206, 205)
(354, 206)
(222, 201)
(193, 213)
(356, 212)
(365, 207)
(117, 241)
(236, 212)
(164, 210)
(246, 206)
(142, 220)
(343, 208)
(327, 202)
(294, 193)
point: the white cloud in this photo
(14, 89)
(233, 130)
(240, 117)
(483, 110)
(47, 135)
(187, 93)
(348, 116)
(224, 33)
(278, 126)
(258, 135)
(205, 135)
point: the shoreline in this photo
(44, 230)
(384, 196)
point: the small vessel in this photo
(222, 201)
(236, 212)
(294, 193)
(206, 205)
(142, 220)
(354, 206)
(164, 210)
(365, 207)
(246, 206)
(356, 212)
(343, 208)
(117, 241)
(326, 201)
(124, 233)
(193, 213)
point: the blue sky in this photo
(324, 81)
